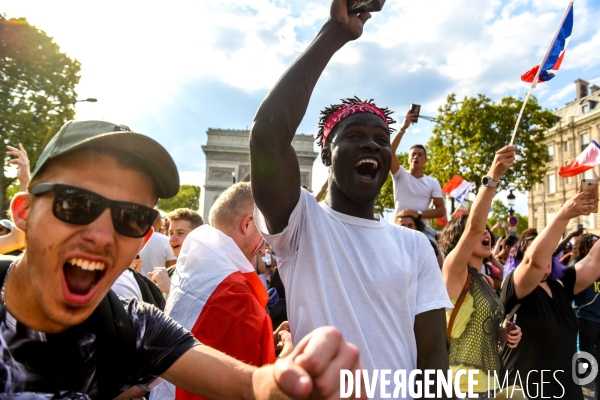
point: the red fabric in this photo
(529, 76)
(442, 221)
(235, 322)
(588, 159)
(348, 110)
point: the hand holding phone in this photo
(591, 186)
(359, 6)
(415, 109)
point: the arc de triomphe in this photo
(227, 153)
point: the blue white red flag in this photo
(556, 52)
(457, 187)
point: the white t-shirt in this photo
(126, 286)
(156, 253)
(367, 278)
(412, 193)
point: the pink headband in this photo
(348, 110)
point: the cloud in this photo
(172, 70)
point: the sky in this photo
(171, 70)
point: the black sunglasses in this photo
(80, 207)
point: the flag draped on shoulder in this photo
(457, 187)
(217, 295)
(588, 159)
(556, 52)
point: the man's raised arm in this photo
(275, 174)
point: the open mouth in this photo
(366, 168)
(82, 275)
(486, 242)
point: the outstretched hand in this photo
(313, 367)
(503, 160)
(582, 204)
(351, 24)
(22, 162)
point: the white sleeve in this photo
(285, 243)
(126, 286)
(436, 188)
(431, 290)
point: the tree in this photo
(187, 197)
(37, 90)
(467, 135)
(500, 214)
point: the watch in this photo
(487, 181)
(420, 213)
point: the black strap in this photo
(459, 302)
(150, 292)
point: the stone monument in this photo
(228, 156)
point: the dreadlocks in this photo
(328, 112)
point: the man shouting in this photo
(341, 264)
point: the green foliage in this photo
(37, 90)
(187, 197)
(467, 135)
(500, 214)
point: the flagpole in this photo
(537, 75)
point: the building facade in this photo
(577, 124)
(228, 156)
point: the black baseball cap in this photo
(75, 135)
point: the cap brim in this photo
(152, 155)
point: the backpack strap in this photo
(150, 292)
(116, 345)
(459, 302)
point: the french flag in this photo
(217, 295)
(556, 52)
(457, 187)
(588, 159)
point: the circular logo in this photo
(513, 221)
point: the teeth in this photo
(367, 160)
(87, 265)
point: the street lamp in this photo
(511, 202)
(89, 100)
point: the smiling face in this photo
(178, 231)
(67, 269)
(360, 156)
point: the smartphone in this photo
(591, 186)
(415, 109)
(359, 6)
(579, 227)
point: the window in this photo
(585, 140)
(551, 152)
(592, 221)
(551, 183)
(566, 146)
(585, 109)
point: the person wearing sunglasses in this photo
(65, 335)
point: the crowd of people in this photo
(279, 291)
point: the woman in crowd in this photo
(410, 222)
(474, 324)
(587, 304)
(544, 289)
(505, 244)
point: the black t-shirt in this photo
(549, 338)
(63, 366)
